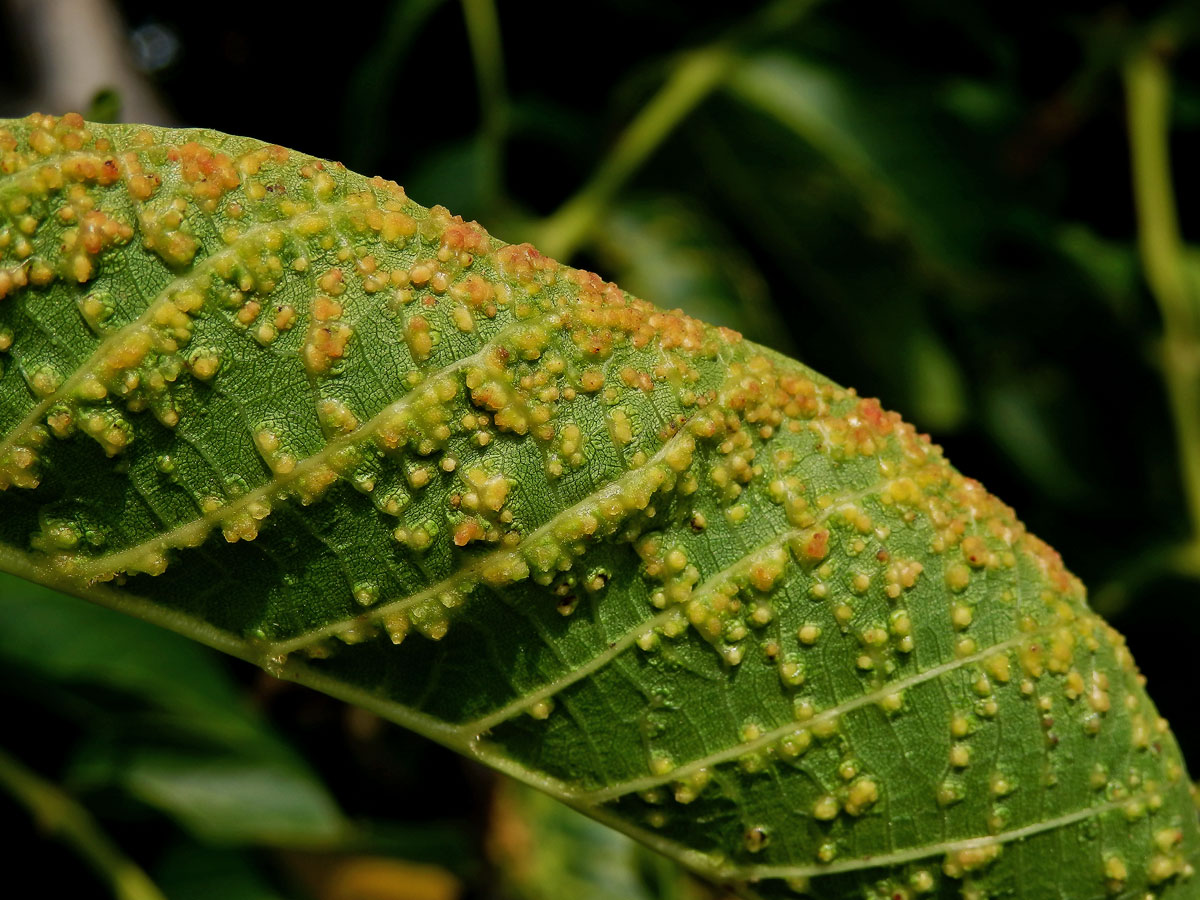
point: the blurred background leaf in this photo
(159, 719)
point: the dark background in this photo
(950, 227)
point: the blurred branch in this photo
(694, 78)
(1148, 90)
(483, 31)
(79, 49)
(695, 75)
(1106, 39)
(59, 814)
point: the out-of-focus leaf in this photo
(192, 871)
(903, 163)
(63, 639)
(664, 248)
(186, 743)
(983, 105)
(447, 845)
(452, 171)
(376, 78)
(105, 105)
(1018, 423)
(234, 800)
(1111, 266)
(937, 387)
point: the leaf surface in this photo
(675, 579)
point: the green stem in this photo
(1148, 89)
(59, 814)
(694, 77)
(483, 31)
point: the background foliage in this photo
(928, 200)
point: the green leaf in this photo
(226, 801)
(675, 579)
(180, 737)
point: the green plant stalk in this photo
(483, 32)
(57, 813)
(1147, 86)
(694, 77)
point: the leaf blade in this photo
(679, 581)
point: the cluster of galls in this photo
(710, 434)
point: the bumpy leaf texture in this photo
(671, 577)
